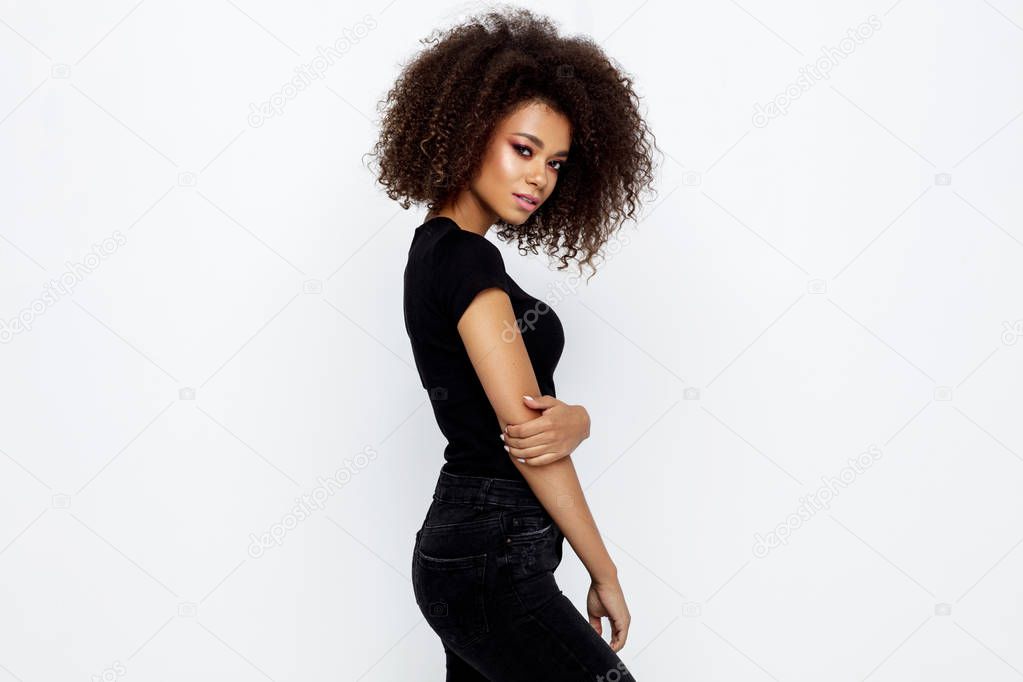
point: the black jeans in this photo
(483, 576)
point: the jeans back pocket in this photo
(451, 595)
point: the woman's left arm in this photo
(555, 434)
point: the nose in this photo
(537, 176)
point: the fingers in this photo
(541, 402)
(537, 456)
(617, 642)
(543, 460)
(595, 624)
(523, 442)
(619, 633)
(531, 447)
(534, 426)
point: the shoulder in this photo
(461, 250)
(462, 264)
(455, 237)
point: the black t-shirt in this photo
(447, 266)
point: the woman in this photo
(503, 122)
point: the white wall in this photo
(837, 281)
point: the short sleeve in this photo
(467, 264)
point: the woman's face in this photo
(524, 156)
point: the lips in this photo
(527, 199)
(524, 203)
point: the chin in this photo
(515, 218)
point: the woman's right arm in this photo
(506, 373)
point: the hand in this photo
(605, 600)
(547, 438)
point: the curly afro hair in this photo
(442, 110)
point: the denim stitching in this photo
(466, 525)
(531, 535)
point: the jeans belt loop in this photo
(482, 498)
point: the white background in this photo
(846, 277)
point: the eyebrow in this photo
(539, 143)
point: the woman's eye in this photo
(521, 148)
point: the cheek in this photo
(502, 171)
(508, 164)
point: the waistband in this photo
(481, 491)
